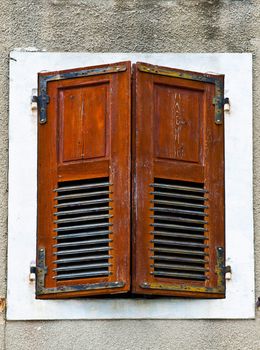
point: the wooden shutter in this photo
(178, 183)
(84, 181)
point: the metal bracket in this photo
(217, 81)
(219, 289)
(42, 102)
(41, 271)
(43, 99)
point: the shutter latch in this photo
(42, 101)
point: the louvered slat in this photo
(83, 229)
(179, 230)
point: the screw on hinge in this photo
(258, 304)
(228, 272)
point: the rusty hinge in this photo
(42, 100)
(219, 103)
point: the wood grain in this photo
(87, 136)
(175, 138)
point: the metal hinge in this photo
(42, 101)
(219, 103)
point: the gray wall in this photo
(125, 26)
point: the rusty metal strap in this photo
(220, 288)
(43, 98)
(219, 88)
(41, 271)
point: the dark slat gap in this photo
(82, 234)
(83, 251)
(82, 203)
(81, 259)
(82, 195)
(177, 218)
(179, 235)
(82, 275)
(179, 251)
(179, 187)
(179, 211)
(178, 243)
(79, 243)
(179, 275)
(177, 195)
(181, 227)
(83, 218)
(179, 204)
(82, 227)
(179, 267)
(178, 259)
(82, 267)
(82, 187)
(81, 211)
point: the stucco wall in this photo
(128, 25)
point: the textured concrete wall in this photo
(128, 25)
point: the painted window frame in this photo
(22, 304)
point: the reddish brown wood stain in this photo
(174, 136)
(175, 128)
(87, 136)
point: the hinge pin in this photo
(228, 272)
(32, 273)
(226, 105)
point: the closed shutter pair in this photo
(130, 182)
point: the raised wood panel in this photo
(83, 122)
(177, 120)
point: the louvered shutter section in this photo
(178, 184)
(84, 182)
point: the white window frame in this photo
(240, 297)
